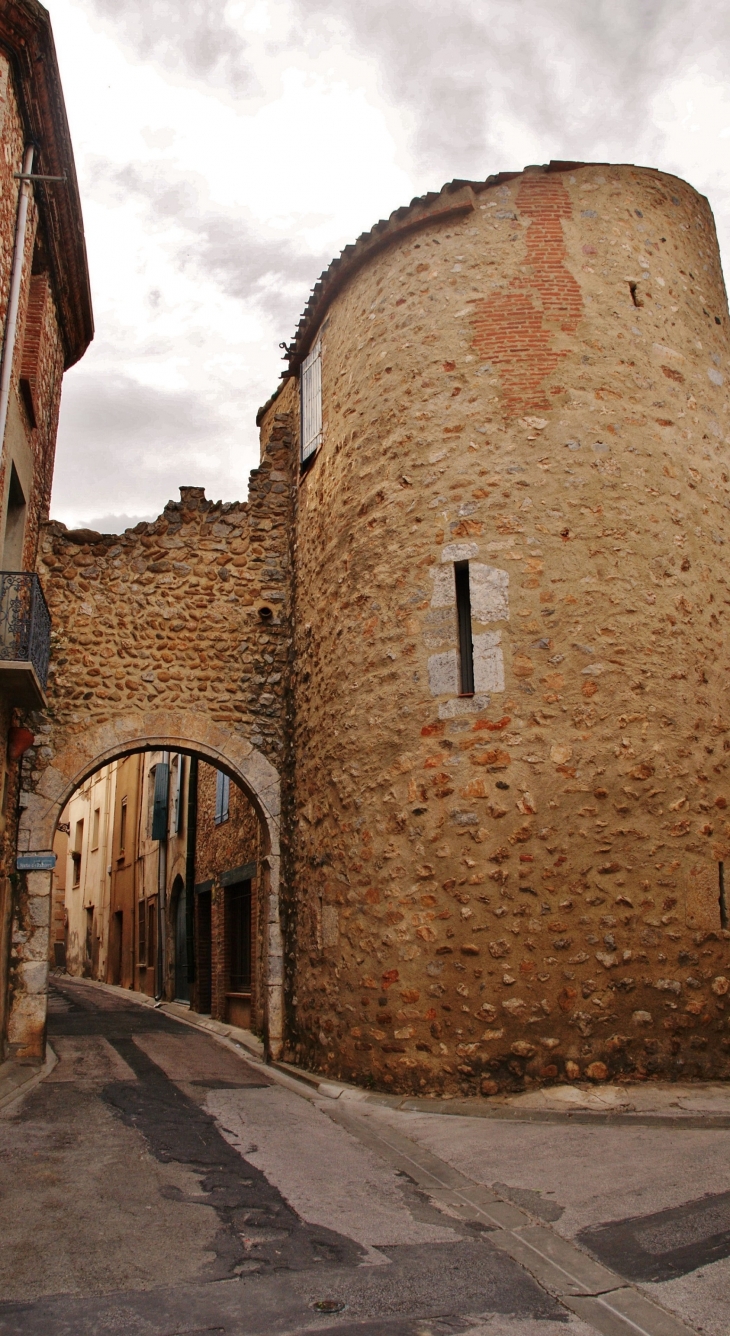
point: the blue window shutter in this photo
(159, 809)
(222, 792)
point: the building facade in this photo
(46, 322)
(463, 649)
(509, 720)
(156, 885)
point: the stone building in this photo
(509, 730)
(156, 885)
(462, 649)
(46, 320)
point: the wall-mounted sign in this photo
(35, 862)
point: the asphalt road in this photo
(158, 1184)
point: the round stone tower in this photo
(511, 732)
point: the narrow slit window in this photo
(722, 896)
(311, 398)
(463, 613)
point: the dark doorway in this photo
(182, 987)
(238, 953)
(204, 951)
(116, 939)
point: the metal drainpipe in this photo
(11, 320)
(162, 895)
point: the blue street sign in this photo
(35, 862)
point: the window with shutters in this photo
(159, 801)
(177, 782)
(222, 794)
(311, 400)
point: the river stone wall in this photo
(522, 886)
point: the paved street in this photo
(158, 1183)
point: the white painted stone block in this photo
(489, 588)
(488, 662)
(443, 674)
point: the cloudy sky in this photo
(227, 151)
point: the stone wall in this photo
(523, 885)
(220, 849)
(183, 619)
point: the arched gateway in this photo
(155, 730)
(173, 637)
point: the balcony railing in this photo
(25, 637)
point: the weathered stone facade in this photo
(173, 636)
(523, 884)
(54, 327)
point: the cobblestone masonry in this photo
(165, 618)
(522, 886)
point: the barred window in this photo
(311, 394)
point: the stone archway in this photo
(85, 752)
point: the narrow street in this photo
(158, 1183)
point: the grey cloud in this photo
(274, 275)
(112, 523)
(191, 36)
(577, 73)
(124, 440)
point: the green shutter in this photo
(159, 810)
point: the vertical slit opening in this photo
(721, 897)
(463, 612)
(634, 295)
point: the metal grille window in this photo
(311, 394)
(222, 795)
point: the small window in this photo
(89, 932)
(177, 790)
(14, 525)
(96, 822)
(222, 795)
(76, 852)
(159, 802)
(463, 612)
(311, 399)
(123, 827)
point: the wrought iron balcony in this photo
(25, 639)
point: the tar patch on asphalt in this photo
(666, 1244)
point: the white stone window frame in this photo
(310, 390)
(489, 593)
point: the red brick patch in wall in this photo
(514, 329)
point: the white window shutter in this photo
(222, 793)
(311, 394)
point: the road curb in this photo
(311, 1085)
(17, 1079)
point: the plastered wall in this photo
(523, 885)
